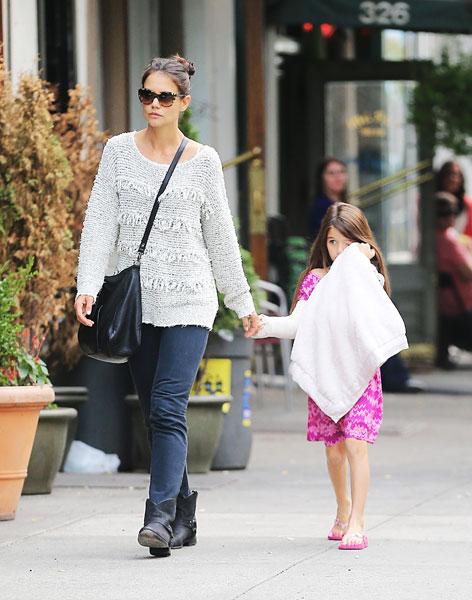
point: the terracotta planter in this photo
(48, 449)
(19, 413)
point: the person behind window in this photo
(454, 265)
(450, 179)
(331, 188)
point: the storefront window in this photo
(367, 127)
(57, 47)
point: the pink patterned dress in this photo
(363, 421)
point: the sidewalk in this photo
(262, 531)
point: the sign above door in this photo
(453, 16)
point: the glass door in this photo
(365, 124)
(367, 127)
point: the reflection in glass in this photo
(367, 128)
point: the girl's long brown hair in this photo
(352, 223)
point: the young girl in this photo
(345, 441)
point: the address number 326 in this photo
(384, 13)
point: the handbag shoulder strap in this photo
(165, 181)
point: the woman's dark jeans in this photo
(163, 370)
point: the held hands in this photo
(83, 307)
(251, 325)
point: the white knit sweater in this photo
(192, 243)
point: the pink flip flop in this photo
(336, 537)
(354, 541)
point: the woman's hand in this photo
(367, 250)
(83, 307)
(251, 324)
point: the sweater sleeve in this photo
(100, 227)
(281, 327)
(222, 244)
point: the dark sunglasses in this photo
(165, 99)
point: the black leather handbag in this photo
(117, 313)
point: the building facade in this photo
(104, 45)
(299, 79)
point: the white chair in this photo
(264, 348)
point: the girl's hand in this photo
(251, 325)
(367, 251)
(83, 307)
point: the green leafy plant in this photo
(438, 105)
(20, 362)
(31, 368)
(186, 126)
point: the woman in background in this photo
(454, 264)
(450, 179)
(331, 188)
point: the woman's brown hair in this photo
(178, 68)
(352, 223)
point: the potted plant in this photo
(205, 426)
(82, 142)
(34, 210)
(23, 392)
(34, 225)
(54, 423)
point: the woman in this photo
(331, 187)
(450, 179)
(454, 264)
(192, 244)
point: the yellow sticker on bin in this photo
(213, 378)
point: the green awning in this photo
(453, 16)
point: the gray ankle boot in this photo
(185, 525)
(156, 533)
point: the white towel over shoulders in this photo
(350, 327)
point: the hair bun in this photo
(188, 65)
(190, 68)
